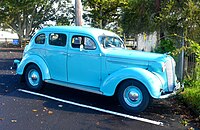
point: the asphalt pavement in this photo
(25, 111)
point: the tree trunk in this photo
(78, 9)
(158, 9)
(20, 39)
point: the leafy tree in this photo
(102, 13)
(181, 17)
(25, 16)
(66, 15)
(169, 16)
(138, 17)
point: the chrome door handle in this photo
(63, 53)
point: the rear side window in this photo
(77, 41)
(57, 39)
(40, 39)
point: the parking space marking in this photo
(95, 108)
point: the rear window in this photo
(40, 39)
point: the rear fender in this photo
(36, 60)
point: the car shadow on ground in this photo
(158, 110)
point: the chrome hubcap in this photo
(33, 77)
(133, 96)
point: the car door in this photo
(84, 61)
(56, 56)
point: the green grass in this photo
(191, 96)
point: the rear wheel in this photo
(133, 96)
(33, 77)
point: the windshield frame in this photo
(110, 44)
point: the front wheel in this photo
(133, 96)
(33, 77)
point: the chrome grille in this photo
(170, 74)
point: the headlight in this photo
(174, 63)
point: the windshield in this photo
(111, 42)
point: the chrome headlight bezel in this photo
(163, 67)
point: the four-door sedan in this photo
(97, 61)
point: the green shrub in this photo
(164, 46)
(191, 96)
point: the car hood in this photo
(133, 54)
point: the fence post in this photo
(180, 66)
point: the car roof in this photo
(78, 29)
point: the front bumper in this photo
(16, 63)
(179, 88)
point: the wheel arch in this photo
(36, 60)
(112, 83)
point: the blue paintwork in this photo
(100, 69)
(84, 67)
(150, 80)
(134, 54)
(36, 60)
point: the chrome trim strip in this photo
(170, 75)
(127, 62)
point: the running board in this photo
(75, 86)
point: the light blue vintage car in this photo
(97, 61)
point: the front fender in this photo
(151, 81)
(36, 60)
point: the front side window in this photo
(110, 42)
(40, 39)
(57, 39)
(87, 42)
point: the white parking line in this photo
(95, 108)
